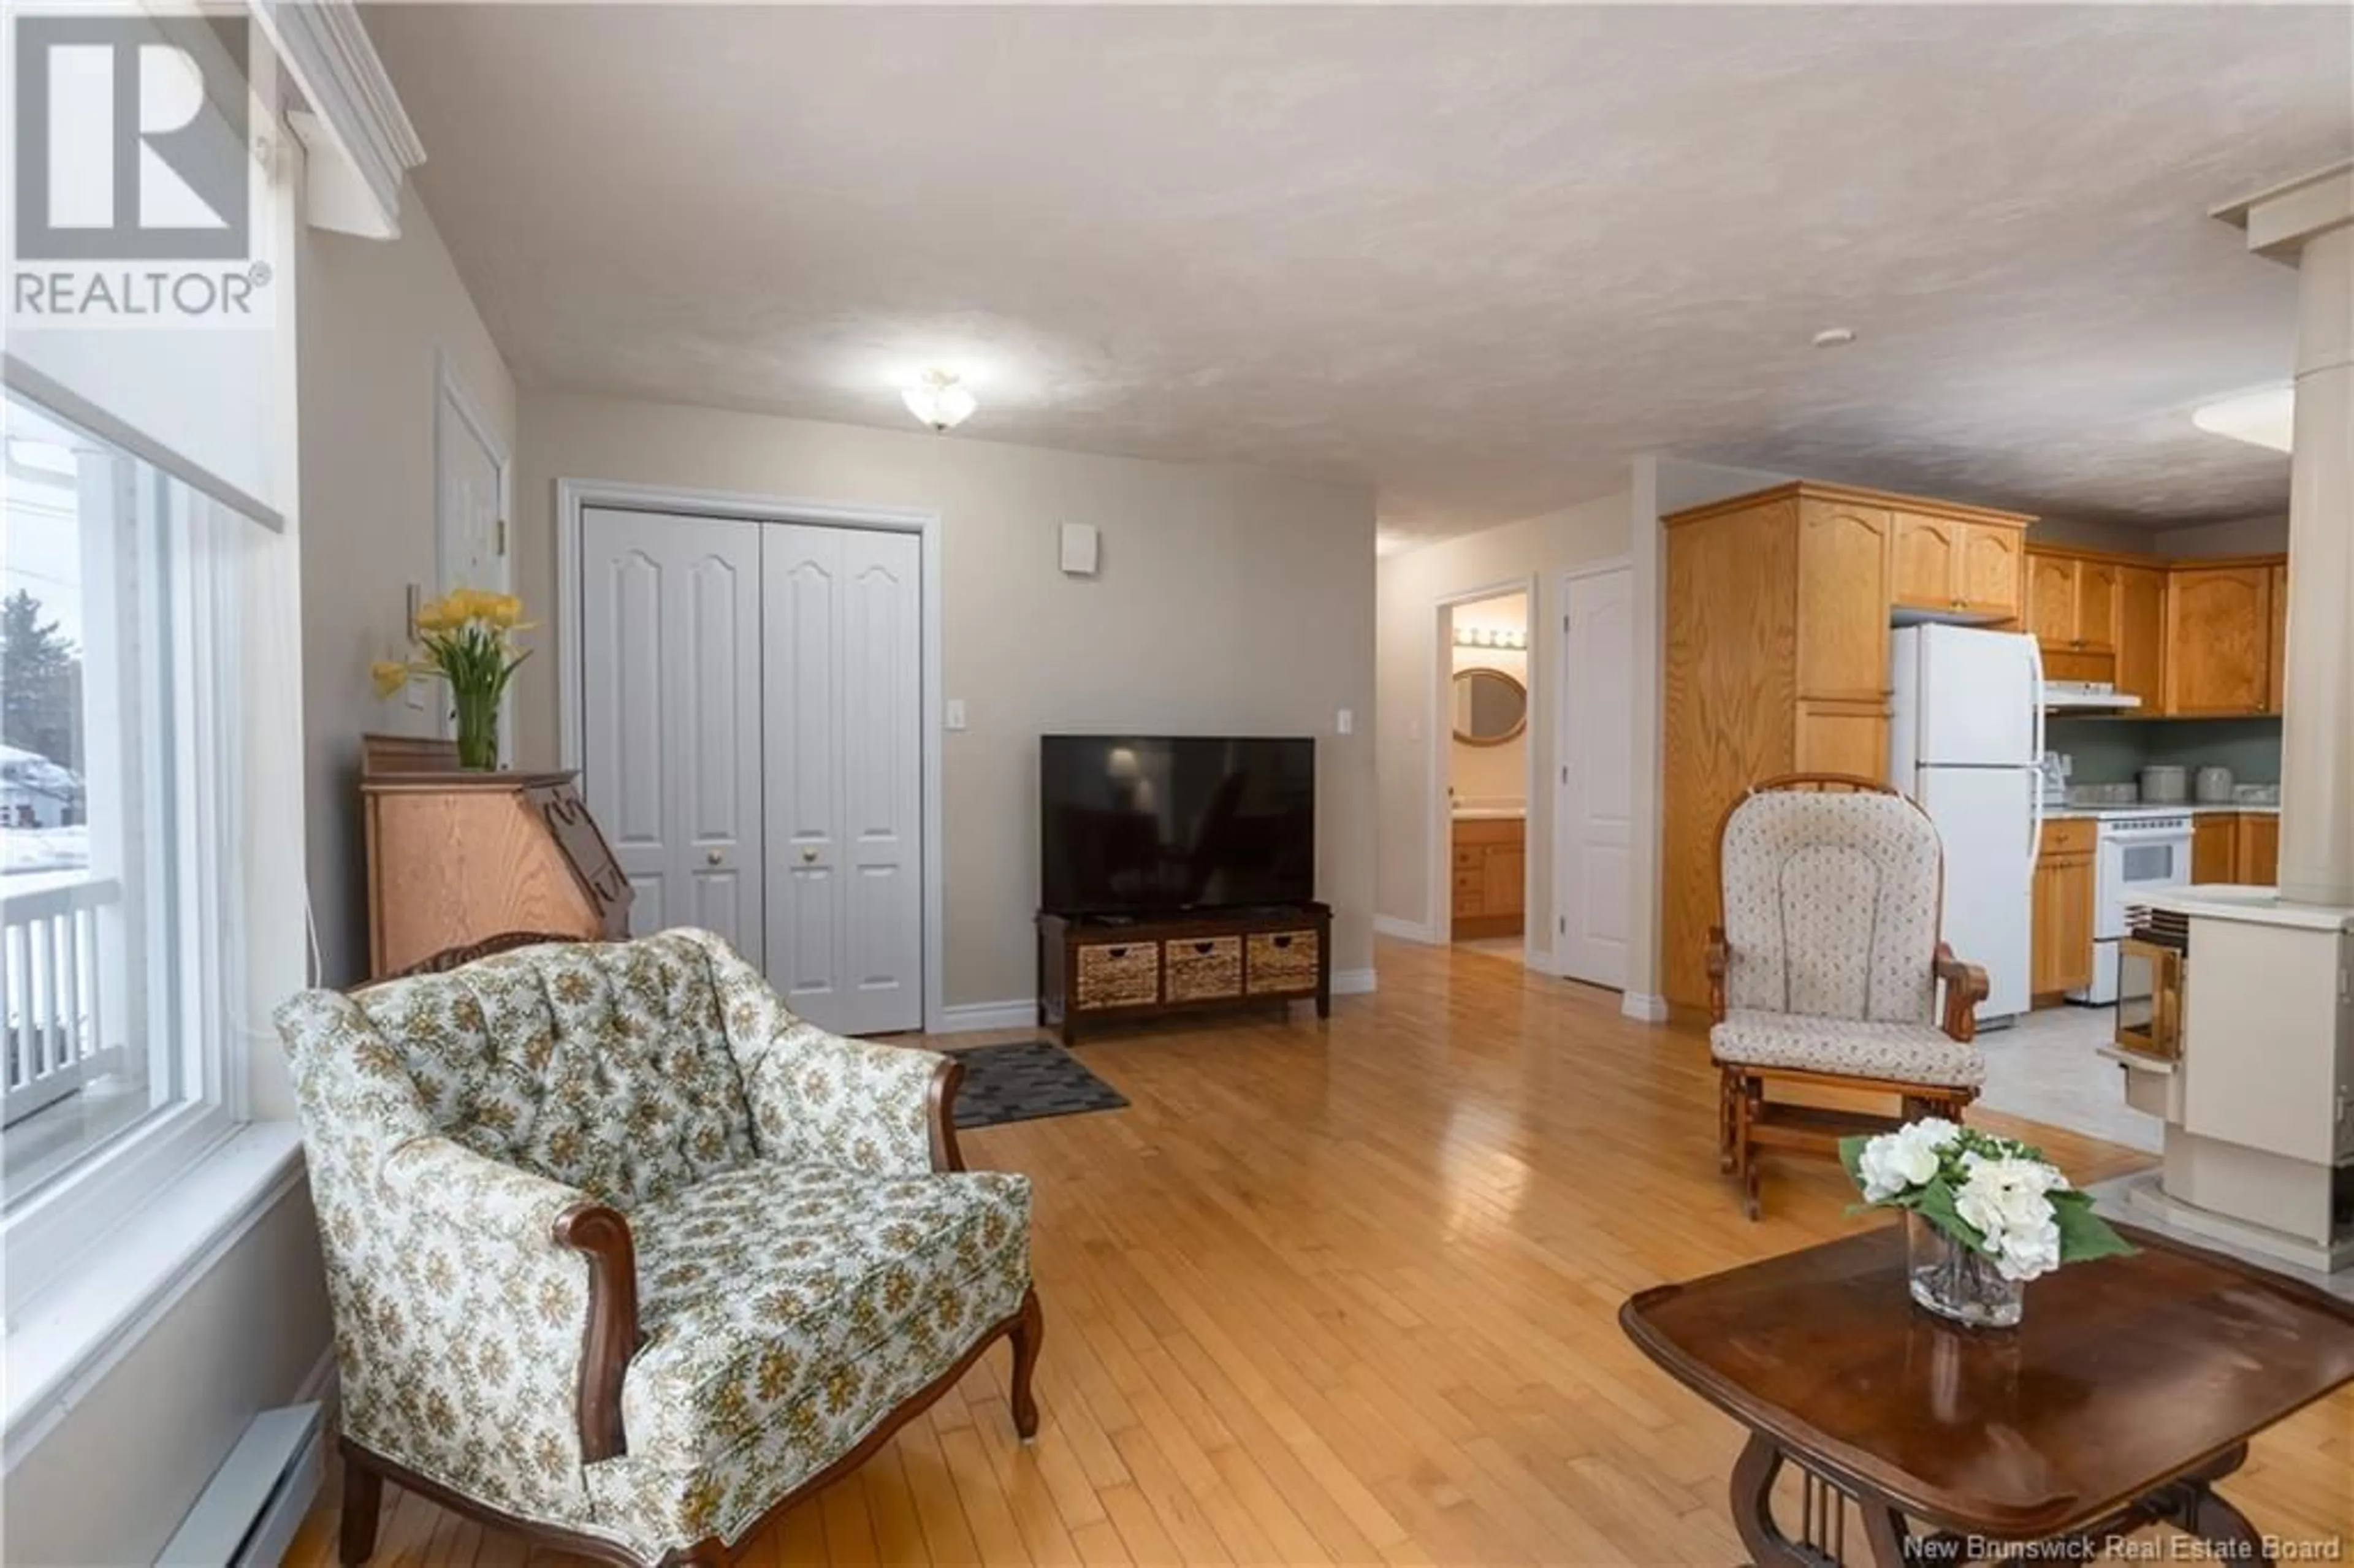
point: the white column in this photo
(2309, 223)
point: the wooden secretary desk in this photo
(455, 857)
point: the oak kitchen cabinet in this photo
(2139, 664)
(2099, 618)
(2235, 846)
(2255, 848)
(2059, 949)
(1490, 875)
(2071, 603)
(2218, 640)
(2189, 638)
(1946, 561)
(2277, 656)
(2214, 846)
(1775, 657)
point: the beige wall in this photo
(2242, 536)
(1229, 600)
(1411, 585)
(2078, 534)
(375, 314)
(113, 1480)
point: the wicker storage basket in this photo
(1200, 968)
(1119, 974)
(1282, 961)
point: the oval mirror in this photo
(1491, 708)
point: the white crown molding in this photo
(360, 143)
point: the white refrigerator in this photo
(1966, 738)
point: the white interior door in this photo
(842, 731)
(470, 511)
(671, 715)
(1593, 812)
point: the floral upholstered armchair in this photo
(1827, 967)
(624, 1254)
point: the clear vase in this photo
(1957, 1281)
(478, 729)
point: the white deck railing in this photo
(55, 973)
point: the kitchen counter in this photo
(2189, 808)
(2252, 905)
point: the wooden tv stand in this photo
(1094, 969)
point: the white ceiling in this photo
(1476, 256)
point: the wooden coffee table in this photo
(2132, 1386)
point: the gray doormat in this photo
(1025, 1081)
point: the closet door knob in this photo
(712, 857)
(809, 857)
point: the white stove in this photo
(2137, 850)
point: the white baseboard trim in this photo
(1544, 961)
(1404, 930)
(1644, 1007)
(1352, 983)
(321, 1386)
(966, 1018)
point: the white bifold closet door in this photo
(671, 675)
(842, 735)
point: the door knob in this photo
(711, 857)
(809, 857)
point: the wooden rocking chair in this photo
(1826, 969)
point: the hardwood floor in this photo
(1346, 1294)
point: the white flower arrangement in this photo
(1996, 1196)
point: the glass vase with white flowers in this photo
(1983, 1215)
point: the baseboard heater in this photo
(255, 1502)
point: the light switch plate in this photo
(1079, 544)
(1347, 723)
(956, 713)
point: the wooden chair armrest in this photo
(1965, 987)
(1717, 957)
(940, 1115)
(611, 1336)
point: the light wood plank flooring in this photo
(1346, 1294)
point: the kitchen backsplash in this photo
(2114, 751)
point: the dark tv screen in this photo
(1134, 825)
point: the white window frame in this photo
(76, 1211)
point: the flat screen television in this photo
(1135, 824)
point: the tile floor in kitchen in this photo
(2047, 1067)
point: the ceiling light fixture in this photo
(940, 399)
(2264, 418)
(1834, 337)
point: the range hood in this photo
(2086, 697)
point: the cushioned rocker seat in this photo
(1846, 1047)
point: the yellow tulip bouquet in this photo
(467, 638)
